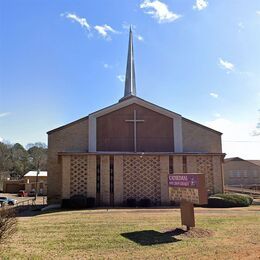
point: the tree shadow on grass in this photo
(152, 237)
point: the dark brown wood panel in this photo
(155, 134)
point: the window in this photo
(184, 164)
(111, 170)
(98, 174)
(232, 174)
(170, 165)
(238, 174)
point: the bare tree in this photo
(8, 223)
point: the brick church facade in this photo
(127, 151)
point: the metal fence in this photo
(28, 204)
(253, 193)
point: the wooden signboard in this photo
(188, 189)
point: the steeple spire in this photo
(130, 87)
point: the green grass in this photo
(100, 235)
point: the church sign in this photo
(183, 180)
(188, 189)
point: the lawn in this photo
(135, 234)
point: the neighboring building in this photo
(239, 172)
(13, 186)
(30, 182)
(128, 149)
(4, 176)
(27, 183)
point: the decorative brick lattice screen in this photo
(142, 178)
(79, 176)
(205, 165)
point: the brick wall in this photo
(197, 138)
(73, 137)
(135, 176)
(241, 173)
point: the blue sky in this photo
(61, 60)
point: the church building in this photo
(126, 151)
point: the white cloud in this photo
(217, 115)
(200, 5)
(159, 11)
(5, 114)
(237, 139)
(104, 30)
(241, 26)
(258, 12)
(1, 139)
(81, 20)
(140, 37)
(214, 95)
(226, 65)
(107, 66)
(121, 77)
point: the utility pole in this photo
(37, 174)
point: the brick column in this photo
(191, 164)
(92, 176)
(65, 177)
(105, 181)
(217, 174)
(118, 180)
(164, 171)
(177, 164)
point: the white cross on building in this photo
(135, 121)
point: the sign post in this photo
(188, 189)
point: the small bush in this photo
(65, 203)
(144, 202)
(229, 200)
(91, 202)
(131, 202)
(78, 202)
(235, 196)
(250, 199)
(7, 223)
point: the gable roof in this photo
(257, 162)
(134, 100)
(233, 159)
(128, 101)
(67, 125)
(34, 173)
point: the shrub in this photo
(249, 198)
(229, 200)
(91, 202)
(235, 196)
(78, 202)
(7, 223)
(65, 203)
(131, 202)
(144, 202)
